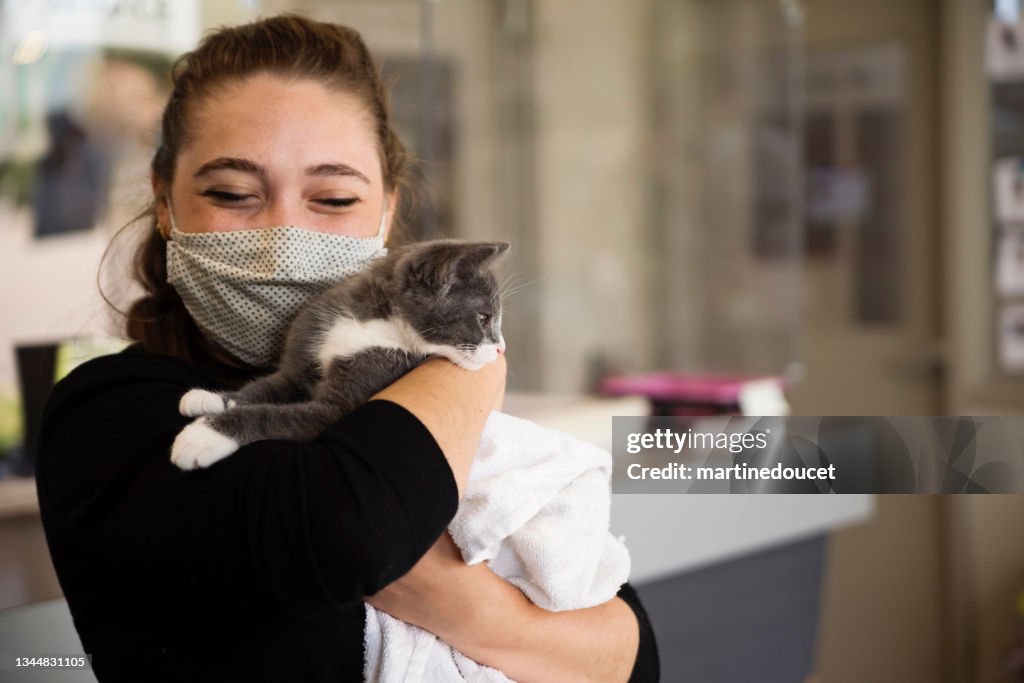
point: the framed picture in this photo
(1010, 261)
(1011, 338)
(1004, 49)
(1008, 181)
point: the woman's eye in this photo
(483, 318)
(222, 196)
(338, 201)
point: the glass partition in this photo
(642, 158)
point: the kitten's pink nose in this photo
(501, 350)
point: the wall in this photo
(591, 170)
(883, 607)
(983, 532)
(49, 288)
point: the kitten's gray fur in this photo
(430, 298)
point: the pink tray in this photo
(674, 386)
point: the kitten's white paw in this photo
(200, 445)
(199, 402)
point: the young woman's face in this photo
(269, 152)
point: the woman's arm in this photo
(453, 404)
(281, 527)
(491, 621)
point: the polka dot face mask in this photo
(243, 287)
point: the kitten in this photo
(435, 298)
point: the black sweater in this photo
(251, 570)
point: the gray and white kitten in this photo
(435, 298)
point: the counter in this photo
(693, 556)
(668, 534)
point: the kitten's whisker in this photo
(428, 330)
(514, 279)
(509, 279)
(518, 287)
(512, 291)
(506, 284)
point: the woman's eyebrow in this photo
(247, 166)
(231, 164)
(336, 169)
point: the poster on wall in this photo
(1008, 181)
(82, 87)
(1011, 338)
(156, 25)
(1010, 261)
(1004, 48)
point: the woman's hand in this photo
(490, 620)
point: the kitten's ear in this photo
(500, 248)
(438, 265)
(478, 254)
(431, 265)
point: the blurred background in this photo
(812, 207)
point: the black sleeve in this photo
(282, 527)
(647, 668)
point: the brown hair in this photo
(288, 45)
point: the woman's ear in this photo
(163, 217)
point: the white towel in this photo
(537, 508)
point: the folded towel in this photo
(536, 508)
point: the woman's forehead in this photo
(283, 125)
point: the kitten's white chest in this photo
(347, 337)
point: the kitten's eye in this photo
(483, 318)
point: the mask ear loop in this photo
(161, 228)
(383, 221)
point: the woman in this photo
(257, 568)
